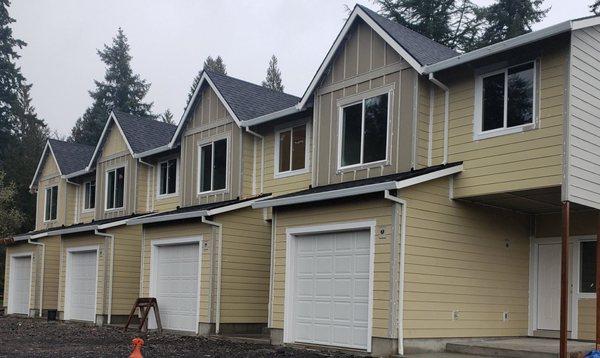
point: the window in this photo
(51, 202)
(115, 187)
(89, 200)
(213, 166)
(364, 128)
(587, 271)
(291, 149)
(506, 99)
(167, 181)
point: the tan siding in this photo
(127, 161)
(35, 269)
(113, 144)
(126, 267)
(51, 272)
(248, 165)
(586, 320)
(142, 189)
(50, 176)
(422, 144)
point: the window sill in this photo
(504, 131)
(213, 192)
(113, 209)
(290, 173)
(349, 168)
(166, 196)
(88, 211)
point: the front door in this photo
(548, 286)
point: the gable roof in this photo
(69, 157)
(242, 99)
(415, 48)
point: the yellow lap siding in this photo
(51, 272)
(126, 267)
(586, 321)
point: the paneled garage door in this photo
(176, 286)
(81, 291)
(19, 285)
(331, 289)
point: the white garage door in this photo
(19, 285)
(81, 290)
(331, 289)
(176, 286)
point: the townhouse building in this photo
(411, 195)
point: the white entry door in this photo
(548, 286)
(331, 289)
(19, 285)
(82, 277)
(176, 286)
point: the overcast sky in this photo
(170, 39)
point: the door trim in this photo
(155, 245)
(10, 303)
(70, 252)
(290, 251)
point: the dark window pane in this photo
(375, 141)
(162, 185)
(298, 147)
(351, 134)
(520, 95)
(493, 102)
(172, 176)
(120, 187)
(205, 167)
(54, 207)
(588, 267)
(220, 166)
(284, 150)
(92, 200)
(48, 204)
(110, 190)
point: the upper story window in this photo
(89, 192)
(115, 188)
(291, 150)
(51, 203)
(364, 132)
(167, 177)
(505, 101)
(213, 166)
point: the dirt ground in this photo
(26, 337)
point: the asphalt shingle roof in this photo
(144, 133)
(71, 157)
(421, 48)
(248, 100)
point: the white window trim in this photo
(168, 195)
(106, 208)
(46, 202)
(478, 133)
(69, 269)
(361, 98)
(227, 165)
(289, 127)
(83, 209)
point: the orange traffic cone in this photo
(137, 348)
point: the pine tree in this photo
(10, 79)
(510, 18)
(121, 89)
(167, 117)
(215, 65)
(595, 7)
(273, 79)
(10, 217)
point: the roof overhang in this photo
(272, 116)
(47, 148)
(358, 190)
(78, 229)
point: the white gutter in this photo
(358, 190)
(42, 273)
(219, 264)
(157, 150)
(110, 269)
(262, 157)
(271, 116)
(446, 113)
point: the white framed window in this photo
(212, 164)
(587, 267)
(505, 101)
(115, 188)
(364, 131)
(167, 177)
(292, 150)
(51, 203)
(89, 195)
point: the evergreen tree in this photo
(167, 117)
(10, 217)
(121, 89)
(273, 79)
(595, 7)
(215, 65)
(10, 79)
(510, 18)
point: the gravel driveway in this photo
(26, 337)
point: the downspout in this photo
(446, 112)
(262, 157)
(153, 183)
(110, 268)
(219, 262)
(42, 273)
(404, 205)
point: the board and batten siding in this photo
(363, 63)
(583, 172)
(49, 177)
